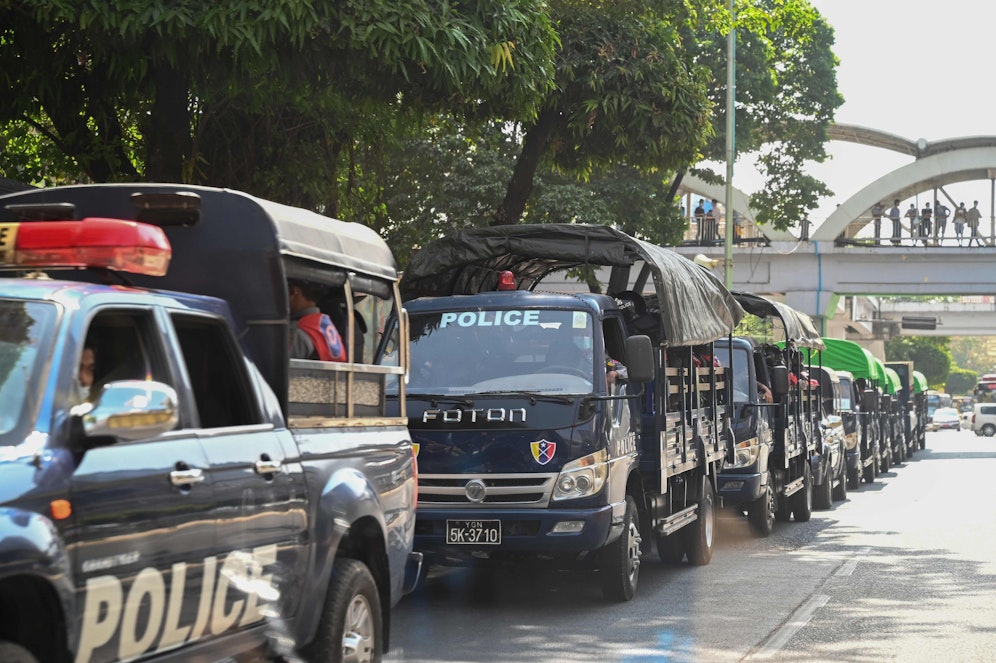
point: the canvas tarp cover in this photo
(883, 381)
(695, 307)
(843, 355)
(799, 327)
(919, 382)
(893, 383)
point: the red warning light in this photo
(116, 244)
(506, 280)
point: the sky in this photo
(914, 69)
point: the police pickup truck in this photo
(172, 486)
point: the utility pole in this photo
(731, 143)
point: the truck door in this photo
(257, 478)
(144, 513)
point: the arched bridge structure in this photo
(812, 275)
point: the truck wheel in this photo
(802, 501)
(989, 430)
(761, 512)
(823, 494)
(351, 629)
(14, 653)
(887, 459)
(671, 549)
(620, 560)
(840, 490)
(923, 442)
(698, 545)
(854, 477)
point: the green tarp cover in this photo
(892, 382)
(919, 382)
(842, 355)
(879, 371)
(695, 306)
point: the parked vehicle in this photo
(850, 414)
(842, 355)
(920, 406)
(829, 456)
(199, 500)
(777, 451)
(910, 418)
(528, 449)
(984, 419)
(946, 418)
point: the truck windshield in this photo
(544, 351)
(26, 330)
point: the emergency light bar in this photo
(126, 246)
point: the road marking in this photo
(847, 568)
(780, 638)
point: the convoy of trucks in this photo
(206, 494)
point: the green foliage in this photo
(972, 353)
(786, 97)
(930, 355)
(961, 381)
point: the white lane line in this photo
(847, 568)
(780, 638)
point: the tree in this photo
(786, 98)
(240, 93)
(961, 381)
(627, 93)
(929, 354)
(971, 352)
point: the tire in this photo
(619, 562)
(823, 493)
(853, 477)
(351, 628)
(989, 430)
(802, 501)
(840, 490)
(699, 542)
(887, 459)
(11, 652)
(761, 512)
(671, 549)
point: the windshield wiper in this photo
(533, 395)
(435, 399)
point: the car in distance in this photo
(984, 419)
(946, 417)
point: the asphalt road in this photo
(904, 570)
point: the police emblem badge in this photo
(543, 451)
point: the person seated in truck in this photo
(84, 374)
(313, 335)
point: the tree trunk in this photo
(167, 132)
(520, 187)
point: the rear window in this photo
(987, 409)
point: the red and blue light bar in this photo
(117, 244)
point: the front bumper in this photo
(523, 530)
(738, 488)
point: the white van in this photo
(984, 419)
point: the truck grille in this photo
(505, 489)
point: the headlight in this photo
(582, 477)
(745, 453)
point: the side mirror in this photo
(868, 400)
(639, 359)
(779, 381)
(129, 410)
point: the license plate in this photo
(475, 532)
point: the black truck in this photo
(777, 453)
(531, 446)
(204, 496)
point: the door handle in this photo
(186, 477)
(266, 466)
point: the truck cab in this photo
(193, 493)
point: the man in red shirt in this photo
(313, 335)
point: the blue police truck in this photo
(172, 485)
(533, 444)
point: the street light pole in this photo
(731, 141)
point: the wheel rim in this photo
(358, 632)
(707, 503)
(633, 551)
(769, 516)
